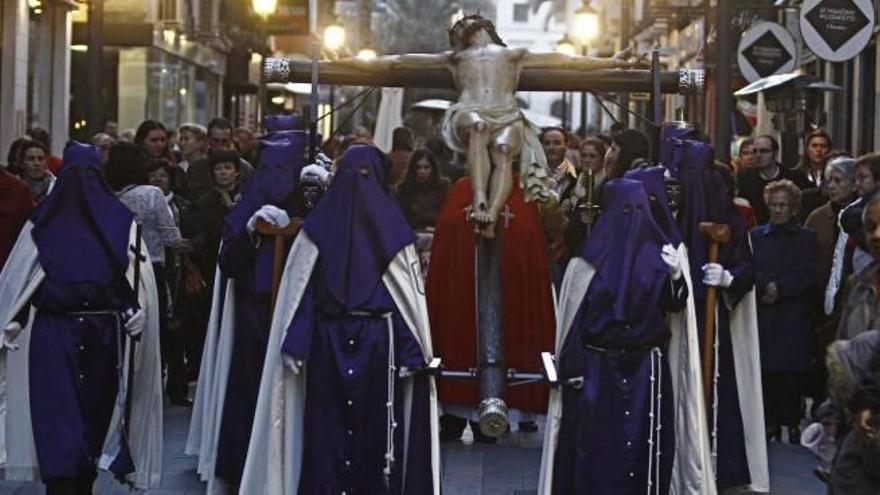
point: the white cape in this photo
(275, 454)
(747, 363)
(22, 276)
(204, 427)
(692, 471)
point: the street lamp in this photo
(264, 8)
(334, 41)
(334, 37)
(586, 24)
(586, 29)
(565, 47)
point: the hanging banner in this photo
(766, 49)
(837, 30)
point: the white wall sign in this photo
(837, 30)
(766, 49)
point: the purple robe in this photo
(350, 335)
(76, 333)
(617, 429)
(705, 198)
(250, 265)
(348, 353)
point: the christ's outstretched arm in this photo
(556, 60)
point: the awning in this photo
(793, 80)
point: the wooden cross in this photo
(280, 234)
(507, 215)
(681, 81)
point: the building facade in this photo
(170, 60)
(162, 59)
(539, 28)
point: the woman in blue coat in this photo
(785, 262)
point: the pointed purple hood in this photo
(358, 227)
(653, 179)
(624, 247)
(81, 230)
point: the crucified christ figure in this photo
(486, 123)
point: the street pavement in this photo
(507, 468)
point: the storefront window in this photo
(157, 85)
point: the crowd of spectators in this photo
(816, 255)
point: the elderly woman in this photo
(785, 272)
(840, 181)
(834, 261)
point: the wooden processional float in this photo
(492, 374)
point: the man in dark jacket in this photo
(751, 182)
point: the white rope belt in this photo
(655, 420)
(715, 378)
(391, 424)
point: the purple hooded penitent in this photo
(706, 198)
(82, 236)
(617, 343)
(82, 214)
(250, 265)
(351, 336)
(358, 226)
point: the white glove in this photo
(672, 258)
(291, 363)
(324, 161)
(271, 214)
(715, 275)
(317, 170)
(8, 335)
(135, 322)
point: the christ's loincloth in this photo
(536, 182)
